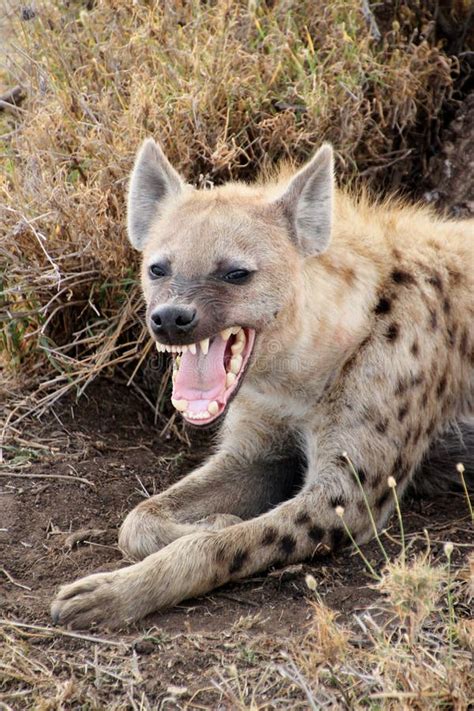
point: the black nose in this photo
(173, 321)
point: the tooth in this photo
(185, 348)
(159, 347)
(238, 347)
(181, 405)
(213, 408)
(225, 334)
(205, 346)
(240, 336)
(192, 348)
(235, 364)
(230, 379)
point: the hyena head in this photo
(222, 269)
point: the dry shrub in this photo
(412, 652)
(228, 88)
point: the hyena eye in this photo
(237, 276)
(157, 271)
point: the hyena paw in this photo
(102, 598)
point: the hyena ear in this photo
(308, 202)
(153, 180)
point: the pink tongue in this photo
(201, 377)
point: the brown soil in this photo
(110, 441)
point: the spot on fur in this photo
(402, 387)
(384, 306)
(382, 499)
(316, 533)
(399, 276)
(441, 385)
(302, 519)
(433, 321)
(269, 536)
(381, 426)
(393, 332)
(337, 538)
(287, 544)
(238, 561)
(403, 412)
(415, 348)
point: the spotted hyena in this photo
(332, 333)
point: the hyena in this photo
(334, 335)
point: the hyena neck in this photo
(327, 320)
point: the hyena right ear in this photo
(307, 203)
(153, 180)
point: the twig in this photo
(8, 475)
(370, 19)
(64, 633)
(12, 580)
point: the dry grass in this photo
(410, 651)
(228, 88)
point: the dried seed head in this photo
(391, 482)
(448, 549)
(311, 582)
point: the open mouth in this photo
(208, 373)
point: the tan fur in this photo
(366, 349)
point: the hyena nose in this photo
(173, 321)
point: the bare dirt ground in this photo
(214, 652)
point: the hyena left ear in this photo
(153, 180)
(308, 202)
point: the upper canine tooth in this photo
(192, 348)
(213, 408)
(227, 332)
(235, 364)
(181, 405)
(205, 346)
(160, 347)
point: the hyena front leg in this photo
(253, 470)
(225, 490)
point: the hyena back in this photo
(335, 336)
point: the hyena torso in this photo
(342, 328)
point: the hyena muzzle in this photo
(332, 333)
